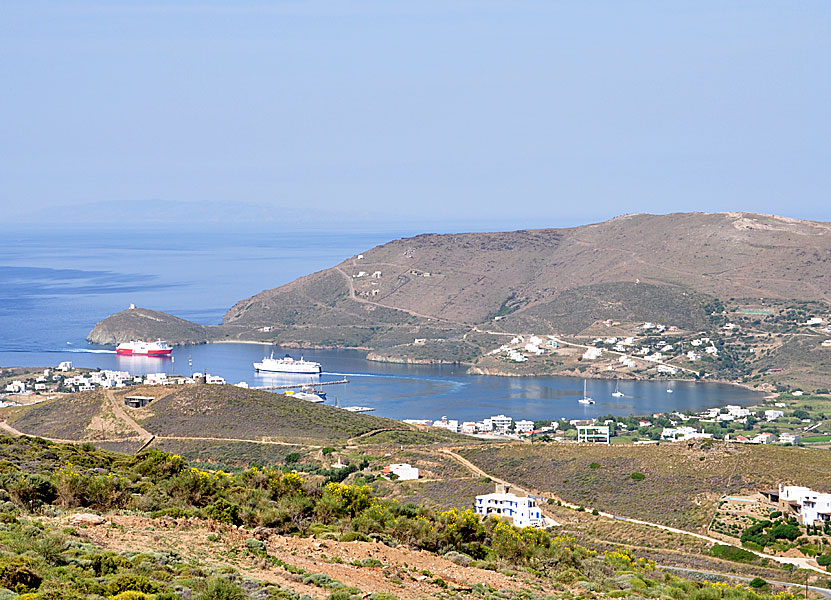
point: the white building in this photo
(592, 353)
(155, 379)
(484, 426)
(403, 471)
(65, 366)
(501, 423)
(809, 505)
(737, 411)
(468, 427)
(516, 356)
(524, 426)
(593, 434)
(788, 438)
(764, 438)
(682, 434)
(772, 415)
(16, 387)
(814, 321)
(449, 424)
(521, 511)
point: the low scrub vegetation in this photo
(38, 477)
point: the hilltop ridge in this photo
(432, 297)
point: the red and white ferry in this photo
(137, 348)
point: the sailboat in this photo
(585, 399)
(617, 393)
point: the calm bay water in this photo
(55, 286)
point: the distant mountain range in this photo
(439, 288)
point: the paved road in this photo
(801, 563)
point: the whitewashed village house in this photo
(519, 510)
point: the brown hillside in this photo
(661, 268)
(474, 276)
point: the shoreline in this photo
(369, 355)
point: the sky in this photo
(435, 115)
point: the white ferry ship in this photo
(138, 348)
(287, 365)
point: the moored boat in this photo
(305, 396)
(585, 399)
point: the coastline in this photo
(473, 370)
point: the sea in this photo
(55, 284)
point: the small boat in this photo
(585, 399)
(138, 348)
(358, 409)
(287, 365)
(617, 393)
(305, 396)
(313, 390)
(669, 390)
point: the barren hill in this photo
(447, 289)
(624, 265)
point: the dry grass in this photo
(682, 483)
(67, 417)
(231, 412)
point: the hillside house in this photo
(501, 423)
(598, 434)
(521, 511)
(138, 401)
(592, 353)
(772, 415)
(524, 426)
(468, 427)
(788, 438)
(402, 471)
(808, 506)
(449, 424)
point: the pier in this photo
(300, 385)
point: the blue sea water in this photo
(55, 285)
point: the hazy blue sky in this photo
(441, 115)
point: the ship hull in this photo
(129, 352)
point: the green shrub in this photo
(219, 588)
(18, 574)
(733, 553)
(758, 583)
(824, 560)
(223, 511)
(131, 583)
(594, 465)
(637, 476)
(255, 546)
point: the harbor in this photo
(401, 391)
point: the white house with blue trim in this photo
(522, 511)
